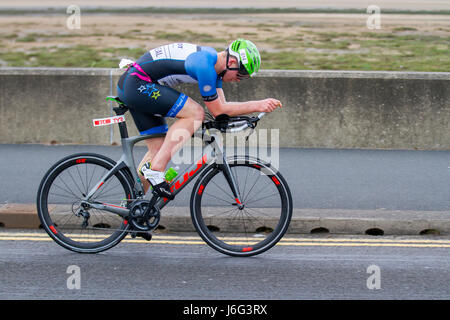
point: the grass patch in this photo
(283, 60)
(404, 29)
(188, 36)
(27, 38)
(34, 37)
(77, 56)
(366, 51)
(14, 59)
(365, 62)
(10, 36)
(304, 49)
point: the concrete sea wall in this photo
(321, 109)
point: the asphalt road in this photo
(306, 267)
(318, 178)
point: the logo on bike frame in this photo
(177, 185)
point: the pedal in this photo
(163, 190)
(146, 235)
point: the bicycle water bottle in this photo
(171, 173)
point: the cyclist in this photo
(146, 87)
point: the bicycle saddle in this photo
(122, 108)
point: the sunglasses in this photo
(242, 72)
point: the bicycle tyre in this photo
(50, 220)
(234, 242)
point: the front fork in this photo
(217, 144)
(231, 182)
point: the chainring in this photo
(143, 217)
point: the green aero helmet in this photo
(247, 54)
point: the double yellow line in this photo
(286, 241)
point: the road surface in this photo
(318, 178)
(170, 267)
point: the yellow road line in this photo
(285, 239)
(362, 244)
(284, 242)
(26, 239)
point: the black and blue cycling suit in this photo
(147, 89)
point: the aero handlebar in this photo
(241, 125)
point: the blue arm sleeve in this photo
(200, 66)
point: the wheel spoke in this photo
(247, 202)
(245, 197)
(231, 196)
(76, 185)
(227, 202)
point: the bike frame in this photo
(213, 152)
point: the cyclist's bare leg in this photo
(153, 146)
(189, 119)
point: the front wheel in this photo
(256, 227)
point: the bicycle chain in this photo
(109, 230)
(132, 230)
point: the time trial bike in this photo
(239, 205)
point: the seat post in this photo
(120, 111)
(122, 125)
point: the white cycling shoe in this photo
(157, 180)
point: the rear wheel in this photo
(59, 203)
(264, 218)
